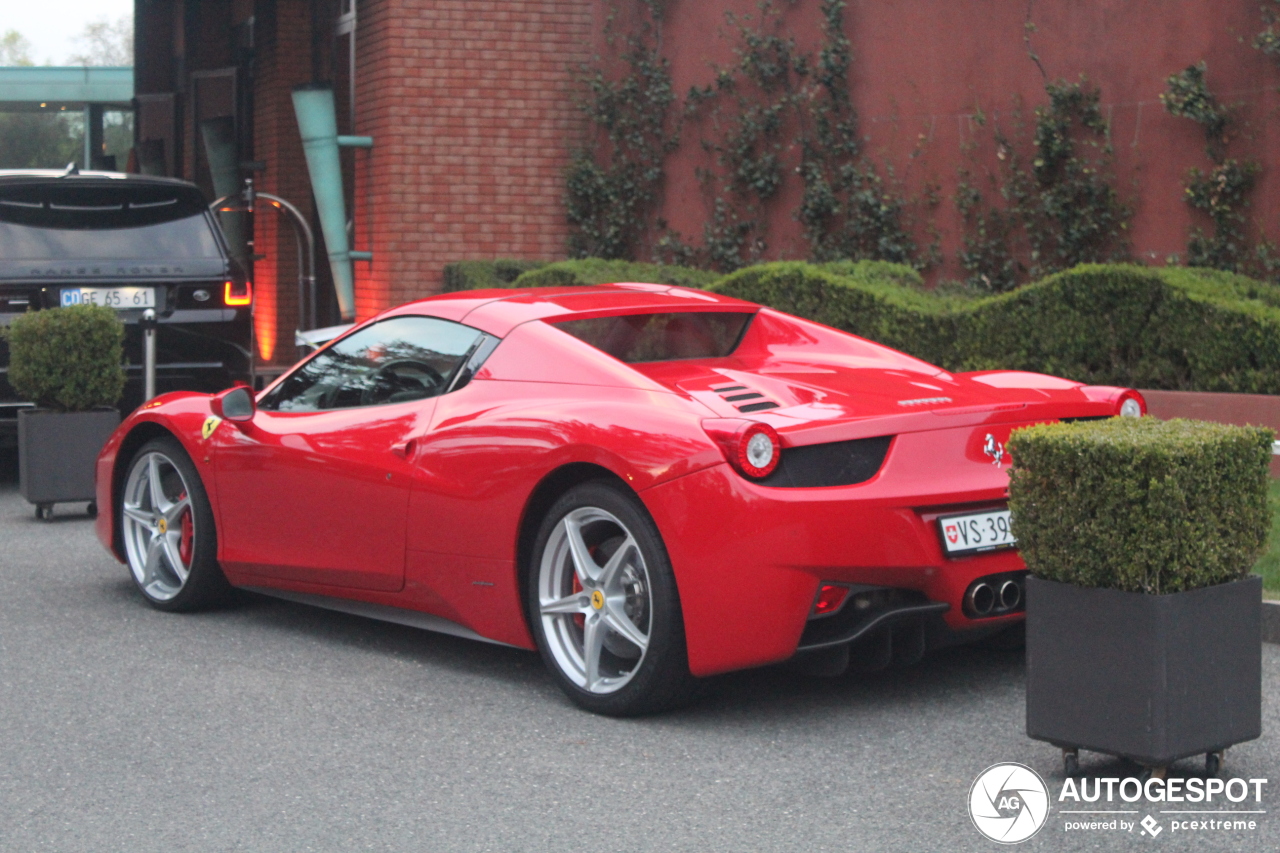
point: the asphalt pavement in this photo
(272, 726)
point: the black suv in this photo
(131, 242)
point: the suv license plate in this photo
(110, 297)
(978, 531)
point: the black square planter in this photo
(1151, 678)
(57, 452)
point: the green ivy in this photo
(613, 184)
(847, 209)
(1268, 40)
(1060, 210)
(780, 111)
(1222, 193)
(986, 253)
(750, 108)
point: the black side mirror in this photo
(234, 404)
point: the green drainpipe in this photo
(318, 124)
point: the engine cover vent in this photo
(745, 399)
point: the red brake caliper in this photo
(188, 534)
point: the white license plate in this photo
(110, 297)
(977, 531)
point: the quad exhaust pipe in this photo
(981, 599)
(994, 595)
(1010, 594)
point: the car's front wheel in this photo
(166, 524)
(604, 606)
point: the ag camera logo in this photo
(1008, 802)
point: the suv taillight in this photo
(237, 293)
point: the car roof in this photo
(40, 176)
(25, 181)
(498, 311)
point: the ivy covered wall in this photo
(926, 124)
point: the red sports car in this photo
(646, 483)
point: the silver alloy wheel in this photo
(159, 526)
(594, 600)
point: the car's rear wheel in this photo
(167, 528)
(604, 606)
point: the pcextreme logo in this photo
(1010, 803)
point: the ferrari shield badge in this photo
(210, 424)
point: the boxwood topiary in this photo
(1139, 504)
(67, 359)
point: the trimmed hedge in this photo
(1144, 327)
(1139, 504)
(481, 275)
(1171, 327)
(883, 302)
(67, 359)
(1175, 328)
(598, 271)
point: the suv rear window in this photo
(635, 338)
(41, 222)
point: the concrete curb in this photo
(1271, 621)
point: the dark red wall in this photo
(923, 68)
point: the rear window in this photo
(637, 338)
(49, 222)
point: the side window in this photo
(394, 361)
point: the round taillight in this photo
(758, 451)
(1132, 405)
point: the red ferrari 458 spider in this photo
(646, 483)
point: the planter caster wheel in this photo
(1070, 761)
(44, 512)
(92, 509)
(1212, 763)
(1154, 773)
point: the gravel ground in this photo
(273, 726)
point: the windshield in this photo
(61, 221)
(180, 239)
(635, 338)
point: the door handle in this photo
(405, 448)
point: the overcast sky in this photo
(51, 25)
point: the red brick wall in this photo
(471, 107)
(283, 61)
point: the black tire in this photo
(660, 680)
(205, 585)
(92, 509)
(44, 512)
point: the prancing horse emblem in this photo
(994, 449)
